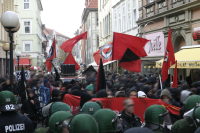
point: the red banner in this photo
(115, 104)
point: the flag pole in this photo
(117, 66)
(160, 82)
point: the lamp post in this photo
(18, 54)
(29, 58)
(10, 22)
(6, 48)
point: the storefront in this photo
(22, 62)
(155, 50)
(188, 63)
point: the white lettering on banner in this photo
(26, 73)
(15, 127)
(156, 45)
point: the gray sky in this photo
(62, 15)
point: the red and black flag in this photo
(169, 58)
(51, 56)
(129, 49)
(69, 44)
(105, 53)
(22, 85)
(70, 60)
(101, 80)
(130, 61)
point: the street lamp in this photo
(29, 58)
(18, 54)
(6, 48)
(10, 20)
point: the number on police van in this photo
(91, 109)
(8, 107)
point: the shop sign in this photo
(181, 65)
(196, 34)
(156, 45)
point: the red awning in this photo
(23, 61)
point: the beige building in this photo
(6, 5)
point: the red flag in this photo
(105, 53)
(169, 58)
(70, 60)
(122, 41)
(69, 44)
(51, 56)
(101, 80)
(115, 104)
(175, 84)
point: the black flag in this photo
(57, 75)
(101, 80)
(23, 81)
(89, 71)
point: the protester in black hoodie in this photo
(31, 107)
(148, 91)
(56, 96)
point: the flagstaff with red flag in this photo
(169, 58)
(69, 44)
(51, 56)
(101, 80)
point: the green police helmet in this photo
(196, 116)
(191, 102)
(56, 118)
(54, 107)
(8, 101)
(155, 114)
(105, 118)
(83, 123)
(90, 107)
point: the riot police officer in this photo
(10, 120)
(79, 123)
(183, 125)
(109, 121)
(154, 118)
(90, 107)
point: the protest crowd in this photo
(45, 110)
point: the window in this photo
(115, 22)
(27, 26)
(124, 18)
(120, 22)
(26, 4)
(27, 46)
(97, 19)
(100, 30)
(109, 24)
(134, 17)
(129, 15)
(97, 41)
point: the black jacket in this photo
(29, 108)
(18, 122)
(5, 87)
(129, 122)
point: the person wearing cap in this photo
(129, 119)
(90, 107)
(90, 90)
(166, 97)
(133, 92)
(10, 119)
(30, 107)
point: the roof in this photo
(48, 31)
(93, 4)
